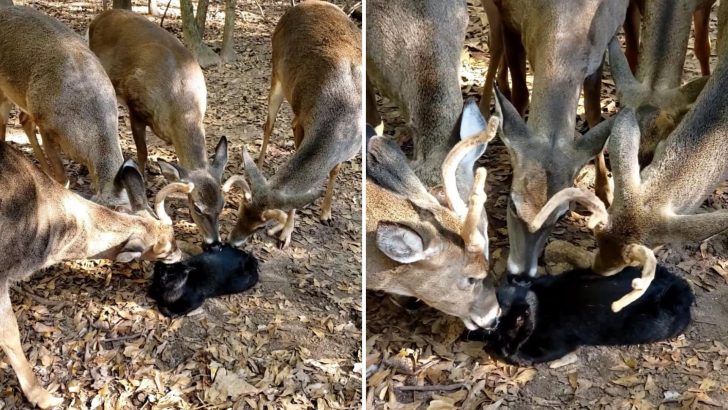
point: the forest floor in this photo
(422, 347)
(292, 342)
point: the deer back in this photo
(51, 75)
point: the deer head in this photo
(418, 247)
(205, 201)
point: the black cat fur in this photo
(221, 270)
(545, 318)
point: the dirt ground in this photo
(292, 342)
(416, 361)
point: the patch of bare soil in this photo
(420, 347)
(292, 342)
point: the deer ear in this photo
(512, 128)
(405, 243)
(133, 249)
(220, 160)
(172, 172)
(130, 177)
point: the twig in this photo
(39, 299)
(262, 13)
(353, 8)
(161, 22)
(121, 338)
(435, 387)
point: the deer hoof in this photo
(44, 400)
(327, 221)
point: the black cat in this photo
(545, 318)
(221, 270)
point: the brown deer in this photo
(418, 247)
(656, 206)
(655, 91)
(565, 42)
(164, 88)
(698, 9)
(61, 88)
(43, 224)
(317, 68)
(413, 58)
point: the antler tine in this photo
(449, 166)
(474, 239)
(238, 180)
(174, 187)
(581, 196)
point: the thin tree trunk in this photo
(228, 52)
(122, 4)
(153, 9)
(201, 17)
(6, 2)
(203, 54)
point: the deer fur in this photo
(60, 87)
(546, 318)
(701, 18)
(160, 82)
(317, 68)
(413, 58)
(43, 224)
(656, 206)
(418, 247)
(565, 42)
(656, 91)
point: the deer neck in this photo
(553, 107)
(191, 148)
(94, 231)
(664, 43)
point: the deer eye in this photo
(197, 209)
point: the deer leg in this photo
(632, 25)
(275, 99)
(29, 127)
(139, 132)
(10, 344)
(52, 150)
(326, 206)
(284, 239)
(637, 255)
(495, 47)
(701, 19)
(4, 116)
(516, 59)
(373, 117)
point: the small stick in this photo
(39, 299)
(121, 338)
(161, 22)
(436, 387)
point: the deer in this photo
(44, 224)
(418, 247)
(656, 92)
(316, 66)
(655, 206)
(565, 43)
(699, 10)
(162, 85)
(62, 89)
(413, 58)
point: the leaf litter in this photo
(442, 372)
(292, 342)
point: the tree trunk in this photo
(122, 4)
(203, 54)
(6, 2)
(201, 17)
(153, 9)
(228, 52)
